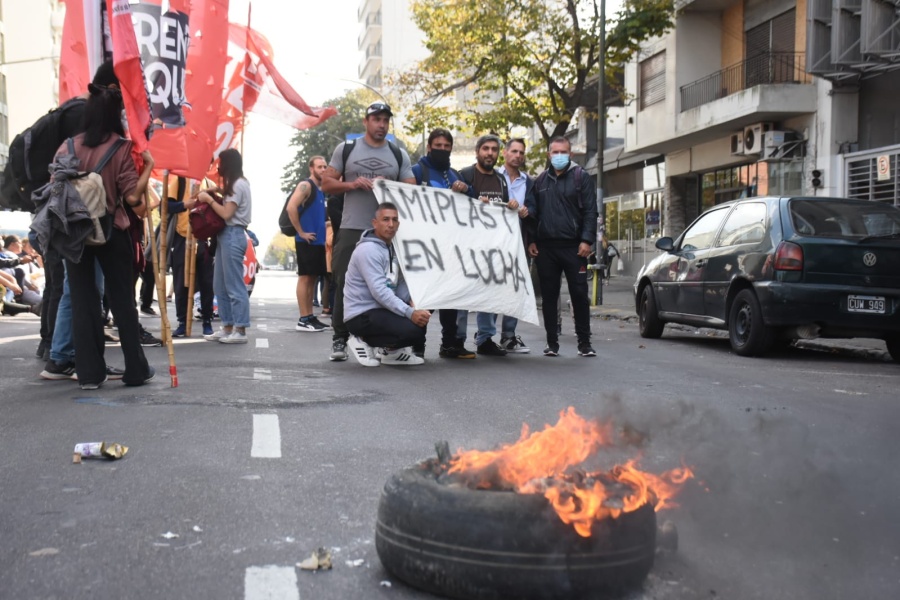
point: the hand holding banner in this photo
(456, 252)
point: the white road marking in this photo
(262, 304)
(262, 326)
(262, 374)
(266, 437)
(271, 583)
(262, 342)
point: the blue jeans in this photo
(228, 278)
(487, 326)
(508, 327)
(62, 348)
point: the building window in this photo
(770, 51)
(653, 80)
(746, 181)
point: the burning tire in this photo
(477, 544)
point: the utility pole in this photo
(601, 117)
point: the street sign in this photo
(884, 168)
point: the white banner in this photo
(456, 252)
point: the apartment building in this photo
(30, 36)
(755, 97)
(388, 40)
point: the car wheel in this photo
(893, 345)
(748, 334)
(651, 326)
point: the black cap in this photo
(379, 107)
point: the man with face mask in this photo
(562, 209)
(434, 170)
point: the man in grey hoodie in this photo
(377, 307)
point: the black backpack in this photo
(284, 221)
(31, 153)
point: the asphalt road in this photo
(795, 496)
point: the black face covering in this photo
(440, 159)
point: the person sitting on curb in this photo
(377, 307)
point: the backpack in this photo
(423, 172)
(30, 155)
(284, 221)
(89, 187)
(205, 223)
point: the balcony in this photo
(366, 7)
(371, 30)
(770, 68)
(371, 63)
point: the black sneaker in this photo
(92, 386)
(585, 349)
(419, 351)
(149, 340)
(338, 350)
(114, 374)
(490, 348)
(455, 352)
(42, 350)
(151, 373)
(57, 371)
(148, 310)
(551, 349)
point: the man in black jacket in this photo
(562, 207)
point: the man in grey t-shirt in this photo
(371, 158)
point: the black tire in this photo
(748, 334)
(651, 326)
(893, 346)
(487, 545)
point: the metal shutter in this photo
(653, 80)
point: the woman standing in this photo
(102, 129)
(228, 274)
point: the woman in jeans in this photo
(123, 184)
(228, 275)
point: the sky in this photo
(315, 48)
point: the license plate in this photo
(866, 304)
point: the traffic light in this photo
(816, 178)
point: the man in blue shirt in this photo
(306, 210)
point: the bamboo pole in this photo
(160, 292)
(190, 266)
(162, 263)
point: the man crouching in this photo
(377, 309)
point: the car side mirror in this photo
(665, 243)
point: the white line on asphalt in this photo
(262, 374)
(262, 304)
(262, 342)
(262, 326)
(266, 437)
(271, 583)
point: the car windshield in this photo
(833, 218)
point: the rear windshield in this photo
(827, 218)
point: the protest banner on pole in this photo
(456, 252)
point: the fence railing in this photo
(770, 67)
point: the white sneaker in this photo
(362, 352)
(514, 345)
(401, 358)
(218, 335)
(236, 337)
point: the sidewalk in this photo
(618, 304)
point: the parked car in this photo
(772, 270)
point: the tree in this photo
(280, 249)
(519, 62)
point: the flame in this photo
(542, 463)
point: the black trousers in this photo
(203, 280)
(382, 328)
(54, 277)
(551, 263)
(115, 258)
(344, 245)
(448, 326)
(148, 285)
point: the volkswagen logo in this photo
(869, 259)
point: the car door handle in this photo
(700, 263)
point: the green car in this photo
(779, 269)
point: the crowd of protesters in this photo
(343, 239)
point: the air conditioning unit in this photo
(776, 144)
(737, 144)
(753, 137)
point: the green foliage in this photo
(280, 248)
(518, 62)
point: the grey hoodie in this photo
(374, 279)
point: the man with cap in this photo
(352, 172)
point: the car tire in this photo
(493, 545)
(747, 332)
(650, 325)
(893, 346)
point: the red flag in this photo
(129, 72)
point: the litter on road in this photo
(318, 560)
(98, 450)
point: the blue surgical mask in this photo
(559, 161)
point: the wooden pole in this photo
(190, 266)
(160, 292)
(162, 264)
